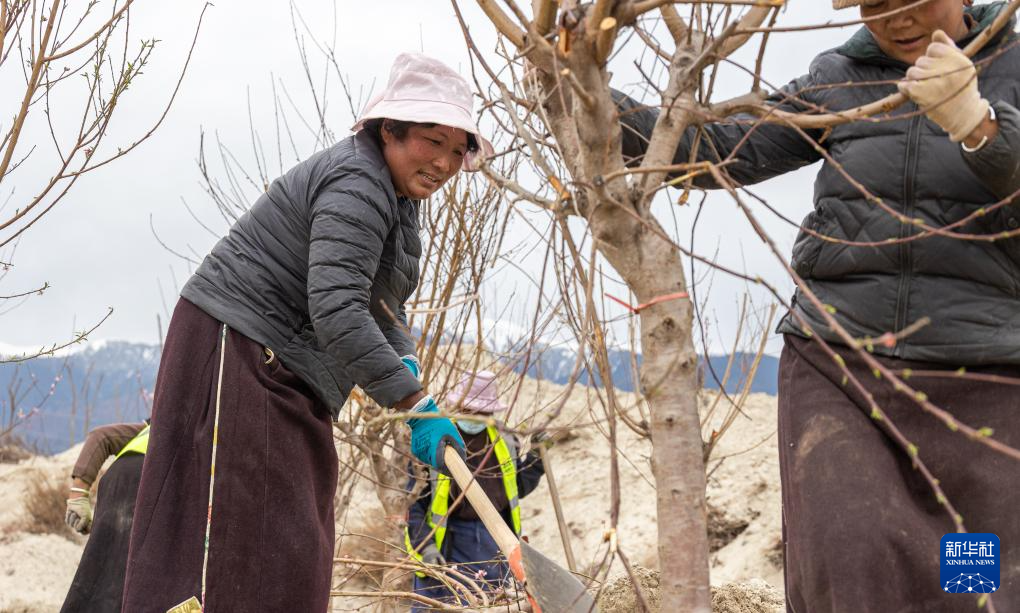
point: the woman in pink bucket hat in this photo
(439, 534)
(425, 91)
(476, 393)
(302, 301)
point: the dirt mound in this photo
(618, 594)
(754, 596)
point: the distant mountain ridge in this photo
(107, 383)
(113, 382)
(557, 364)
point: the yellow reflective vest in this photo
(139, 444)
(438, 509)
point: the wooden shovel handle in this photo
(505, 538)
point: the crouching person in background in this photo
(99, 582)
(440, 533)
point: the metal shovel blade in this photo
(553, 587)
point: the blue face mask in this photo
(471, 427)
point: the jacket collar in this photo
(863, 48)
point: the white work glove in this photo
(431, 555)
(945, 78)
(79, 512)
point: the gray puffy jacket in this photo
(317, 270)
(969, 289)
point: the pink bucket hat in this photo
(477, 392)
(424, 90)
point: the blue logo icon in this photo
(970, 563)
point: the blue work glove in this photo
(412, 365)
(430, 436)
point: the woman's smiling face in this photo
(424, 159)
(906, 36)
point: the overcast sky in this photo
(96, 248)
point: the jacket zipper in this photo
(906, 229)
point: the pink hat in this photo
(425, 90)
(477, 392)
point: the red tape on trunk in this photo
(656, 300)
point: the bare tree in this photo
(568, 91)
(14, 411)
(67, 68)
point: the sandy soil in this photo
(35, 569)
(743, 493)
(754, 596)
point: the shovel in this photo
(550, 588)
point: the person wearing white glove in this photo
(943, 82)
(99, 581)
(78, 516)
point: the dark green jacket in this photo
(969, 289)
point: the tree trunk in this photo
(573, 89)
(651, 268)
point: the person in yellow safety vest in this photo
(99, 582)
(438, 534)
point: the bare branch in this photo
(545, 15)
(79, 337)
(502, 22)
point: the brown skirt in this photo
(862, 528)
(271, 541)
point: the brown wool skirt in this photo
(271, 539)
(862, 528)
